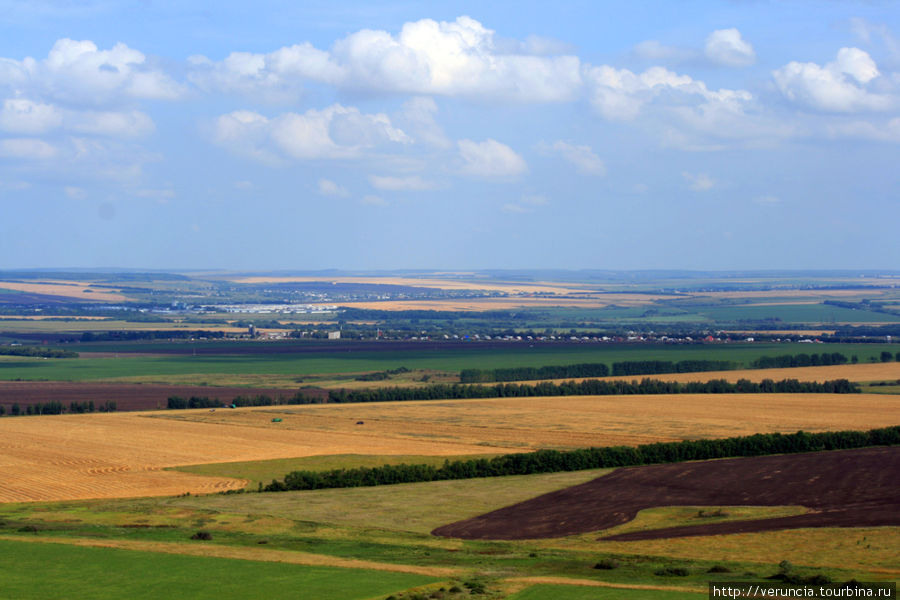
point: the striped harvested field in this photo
(123, 455)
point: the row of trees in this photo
(799, 360)
(37, 351)
(56, 408)
(550, 461)
(177, 402)
(653, 367)
(650, 367)
(591, 387)
(526, 373)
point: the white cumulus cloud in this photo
(330, 188)
(699, 182)
(583, 157)
(78, 72)
(620, 94)
(335, 132)
(490, 158)
(27, 148)
(20, 115)
(727, 47)
(838, 86)
(412, 183)
(455, 58)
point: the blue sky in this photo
(450, 135)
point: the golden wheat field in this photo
(123, 455)
(66, 289)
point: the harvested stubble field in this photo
(122, 455)
(576, 421)
(65, 289)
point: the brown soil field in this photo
(123, 455)
(66, 289)
(845, 488)
(126, 396)
(577, 421)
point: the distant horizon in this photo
(868, 271)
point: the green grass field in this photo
(264, 471)
(42, 571)
(211, 368)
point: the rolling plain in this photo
(177, 491)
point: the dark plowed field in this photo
(844, 488)
(126, 396)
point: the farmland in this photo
(117, 489)
(110, 455)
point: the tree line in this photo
(301, 397)
(37, 352)
(56, 408)
(644, 367)
(799, 360)
(552, 461)
(591, 387)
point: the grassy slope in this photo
(212, 367)
(264, 471)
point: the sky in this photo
(279, 135)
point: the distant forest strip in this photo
(552, 461)
(646, 367)
(591, 387)
(37, 352)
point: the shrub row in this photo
(591, 387)
(551, 461)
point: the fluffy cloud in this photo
(336, 132)
(27, 148)
(881, 132)
(582, 157)
(840, 86)
(20, 115)
(727, 47)
(458, 58)
(620, 94)
(77, 72)
(700, 182)
(412, 183)
(330, 188)
(490, 158)
(418, 118)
